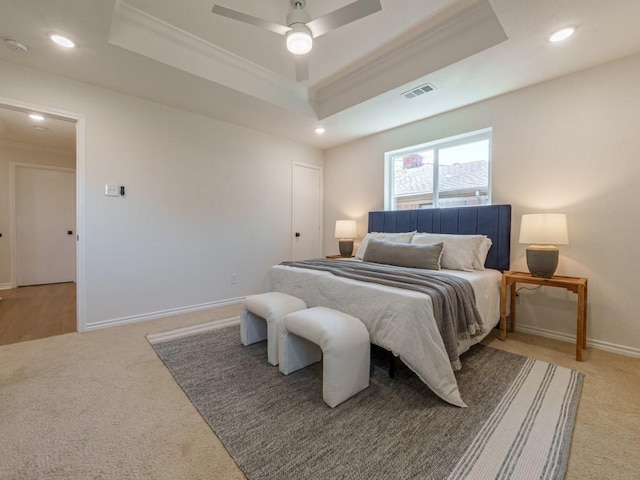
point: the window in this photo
(451, 172)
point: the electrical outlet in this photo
(112, 190)
(234, 279)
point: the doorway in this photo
(41, 166)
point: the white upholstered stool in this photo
(342, 341)
(260, 317)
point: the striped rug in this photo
(518, 425)
(528, 434)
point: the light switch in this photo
(112, 190)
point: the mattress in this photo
(399, 320)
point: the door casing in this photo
(80, 121)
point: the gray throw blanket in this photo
(453, 298)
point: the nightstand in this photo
(574, 284)
(338, 256)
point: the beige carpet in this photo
(101, 405)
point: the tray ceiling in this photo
(180, 54)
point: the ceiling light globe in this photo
(299, 41)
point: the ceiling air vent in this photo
(421, 90)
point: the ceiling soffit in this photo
(462, 30)
(146, 35)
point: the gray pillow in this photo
(404, 254)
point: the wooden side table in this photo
(574, 284)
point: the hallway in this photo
(39, 311)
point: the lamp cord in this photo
(528, 288)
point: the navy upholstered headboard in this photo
(493, 221)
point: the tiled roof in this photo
(459, 176)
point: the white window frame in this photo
(436, 145)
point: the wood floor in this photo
(27, 313)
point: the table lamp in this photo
(346, 231)
(543, 231)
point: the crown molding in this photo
(464, 29)
(142, 33)
(457, 32)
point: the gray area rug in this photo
(518, 425)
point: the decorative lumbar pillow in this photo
(404, 237)
(460, 251)
(425, 256)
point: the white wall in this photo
(569, 145)
(23, 154)
(204, 199)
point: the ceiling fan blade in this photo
(302, 68)
(251, 20)
(347, 14)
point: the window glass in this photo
(447, 173)
(413, 179)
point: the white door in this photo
(45, 225)
(307, 211)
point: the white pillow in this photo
(460, 251)
(478, 263)
(404, 237)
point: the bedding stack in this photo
(433, 251)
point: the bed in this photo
(400, 320)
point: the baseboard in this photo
(606, 346)
(164, 313)
(192, 330)
(5, 286)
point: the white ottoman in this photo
(308, 335)
(260, 317)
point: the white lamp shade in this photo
(544, 229)
(346, 229)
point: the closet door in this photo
(307, 211)
(45, 225)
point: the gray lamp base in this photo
(542, 260)
(346, 247)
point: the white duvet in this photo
(399, 320)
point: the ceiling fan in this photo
(300, 30)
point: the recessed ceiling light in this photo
(36, 116)
(320, 130)
(62, 41)
(562, 34)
